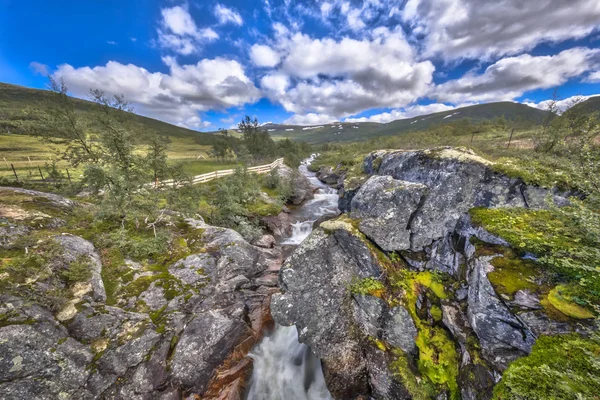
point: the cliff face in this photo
(405, 297)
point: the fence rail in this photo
(261, 169)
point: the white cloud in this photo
(176, 97)
(310, 119)
(112, 42)
(594, 77)
(561, 105)
(513, 76)
(407, 112)
(39, 68)
(264, 56)
(227, 15)
(179, 33)
(484, 29)
(339, 78)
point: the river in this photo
(285, 369)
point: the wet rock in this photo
(322, 219)
(502, 336)
(328, 175)
(385, 207)
(280, 225)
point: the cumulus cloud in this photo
(264, 56)
(594, 77)
(176, 97)
(475, 29)
(227, 15)
(39, 68)
(338, 78)
(510, 77)
(179, 33)
(406, 112)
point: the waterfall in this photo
(285, 369)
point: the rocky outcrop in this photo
(301, 188)
(173, 333)
(394, 296)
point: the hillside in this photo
(19, 106)
(348, 132)
(590, 105)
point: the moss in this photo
(368, 286)
(436, 313)
(566, 249)
(418, 388)
(559, 367)
(438, 359)
(560, 299)
(512, 274)
(432, 281)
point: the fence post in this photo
(39, 169)
(14, 172)
(5, 162)
(68, 175)
(510, 138)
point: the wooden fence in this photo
(261, 169)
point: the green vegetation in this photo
(566, 241)
(368, 286)
(559, 367)
(78, 271)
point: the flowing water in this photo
(285, 369)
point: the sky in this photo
(206, 64)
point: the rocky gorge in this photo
(407, 294)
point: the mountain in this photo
(18, 106)
(589, 106)
(348, 132)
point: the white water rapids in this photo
(285, 369)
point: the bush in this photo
(78, 271)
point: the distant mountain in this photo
(347, 132)
(590, 105)
(18, 106)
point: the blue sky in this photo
(205, 64)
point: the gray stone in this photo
(399, 330)
(502, 336)
(302, 190)
(265, 241)
(385, 207)
(526, 300)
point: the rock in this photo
(399, 330)
(76, 247)
(265, 241)
(457, 180)
(54, 199)
(314, 272)
(502, 336)
(385, 207)
(322, 219)
(193, 270)
(302, 190)
(205, 343)
(526, 300)
(328, 175)
(10, 233)
(280, 225)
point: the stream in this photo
(285, 369)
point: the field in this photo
(28, 153)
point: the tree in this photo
(257, 141)
(156, 158)
(64, 126)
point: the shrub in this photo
(78, 271)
